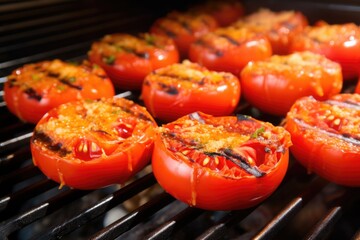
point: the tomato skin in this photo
(210, 189)
(32, 90)
(184, 28)
(220, 50)
(127, 59)
(279, 27)
(113, 160)
(225, 12)
(188, 87)
(274, 84)
(319, 135)
(338, 42)
(357, 88)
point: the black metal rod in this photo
(125, 223)
(166, 229)
(324, 226)
(101, 207)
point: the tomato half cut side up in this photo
(326, 137)
(93, 144)
(220, 163)
(189, 87)
(33, 89)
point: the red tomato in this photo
(184, 28)
(326, 137)
(357, 88)
(229, 49)
(180, 89)
(274, 84)
(338, 42)
(220, 163)
(127, 59)
(225, 12)
(34, 89)
(92, 144)
(279, 27)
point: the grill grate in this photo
(32, 207)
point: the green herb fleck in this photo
(35, 77)
(60, 87)
(109, 60)
(72, 79)
(258, 132)
(150, 39)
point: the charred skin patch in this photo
(33, 94)
(48, 142)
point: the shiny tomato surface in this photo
(280, 27)
(220, 163)
(229, 49)
(91, 144)
(184, 28)
(127, 59)
(357, 88)
(32, 90)
(338, 42)
(274, 84)
(180, 89)
(225, 12)
(326, 137)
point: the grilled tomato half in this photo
(280, 27)
(32, 90)
(338, 42)
(184, 28)
(229, 49)
(127, 59)
(220, 163)
(90, 144)
(180, 89)
(326, 137)
(274, 84)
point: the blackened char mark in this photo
(217, 52)
(230, 40)
(48, 142)
(128, 109)
(242, 162)
(168, 32)
(66, 82)
(33, 94)
(169, 89)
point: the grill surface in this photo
(32, 207)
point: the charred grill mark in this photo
(345, 104)
(53, 74)
(12, 82)
(50, 144)
(217, 52)
(181, 78)
(66, 82)
(230, 39)
(33, 94)
(347, 137)
(242, 163)
(168, 32)
(184, 142)
(184, 24)
(168, 89)
(102, 132)
(128, 109)
(289, 25)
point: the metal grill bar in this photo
(102, 206)
(130, 220)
